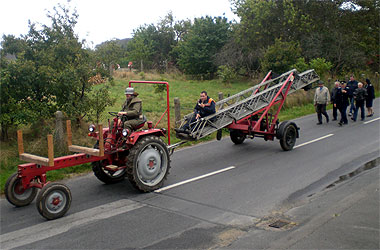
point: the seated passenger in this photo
(204, 107)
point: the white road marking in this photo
(378, 118)
(193, 179)
(315, 140)
(49, 229)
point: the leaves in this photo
(50, 72)
(205, 38)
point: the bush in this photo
(280, 56)
(301, 65)
(226, 73)
(321, 66)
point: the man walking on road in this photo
(321, 99)
(352, 85)
(333, 97)
(360, 95)
(341, 102)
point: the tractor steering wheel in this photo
(114, 113)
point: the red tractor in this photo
(141, 156)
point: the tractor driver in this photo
(132, 109)
(204, 107)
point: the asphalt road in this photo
(238, 186)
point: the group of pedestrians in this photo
(354, 94)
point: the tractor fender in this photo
(283, 125)
(135, 136)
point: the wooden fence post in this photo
(220, 96)
(177, 111)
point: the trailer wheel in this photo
(104, 175)
(16, 194)
(288, 136)
(237, 136)
(54, 200)
(148, 164)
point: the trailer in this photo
(142, 156)
(254, 111)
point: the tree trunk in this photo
(4, 133)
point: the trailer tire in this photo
(148, 164)
(15, 193)
(287, 133)
(237, 136)
(54, 201)
(106, 176)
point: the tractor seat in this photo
(140, 125)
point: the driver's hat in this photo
(129, 91)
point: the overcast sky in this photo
(105, 20)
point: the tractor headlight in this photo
(125, 132)
(91, 128)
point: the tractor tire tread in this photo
(131, 170)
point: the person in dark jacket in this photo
(332, 99)
(360, 94)
(204, 107)
(352, 86)
(132, 110)
(341, 102)
(370, 97)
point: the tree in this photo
(197, 50)
(110, 53)
(140, 50)
(50, 72)
(262, 22)
(151, 44)
(321, 66)
(280, 56)
(344, 32)
(99, 99)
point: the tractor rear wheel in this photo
(107, 175)
(148, 164)
(54, 201)
(16, 194)
(237, 136)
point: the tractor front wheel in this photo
(54, 201)
(16, 194)
(148, 164)
(103, 171)
(107, 176)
